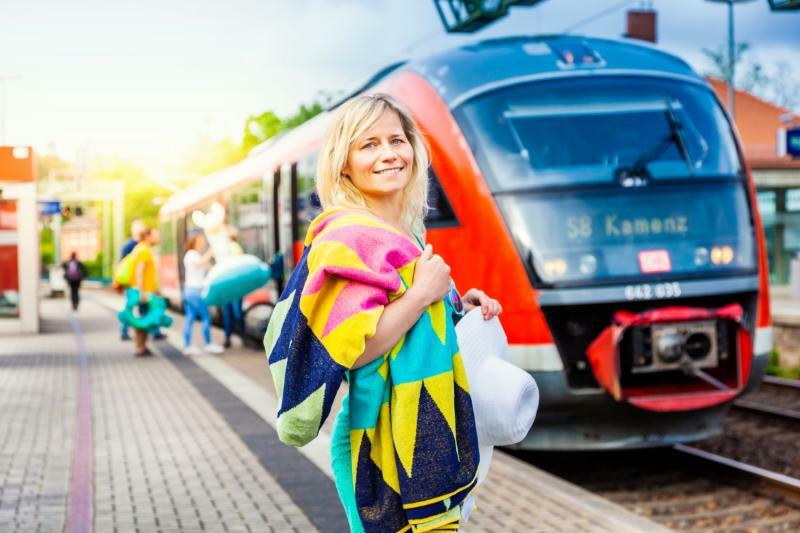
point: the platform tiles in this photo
(95, 439)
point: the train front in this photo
(620, 181)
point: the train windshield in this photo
(612, 179)
(598, 131)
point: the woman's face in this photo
(379, 163)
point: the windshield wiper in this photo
(676, 128)
(638, 174)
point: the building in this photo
(19, 241)
(777, 177)
(82, 236)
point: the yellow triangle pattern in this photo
(334, 253)
(438, 319)
(440, 387)
(382, 452)
(316, 307)
(404, 427)
(346, 342)
(459, 372)
(356, 436)
(397, 347)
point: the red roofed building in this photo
(760, 125)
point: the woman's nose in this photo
(387, 152)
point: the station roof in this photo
(758, 122)
(459, 72)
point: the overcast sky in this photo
(144, 79)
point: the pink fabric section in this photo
(327, 220)
(354, 298)
(381, 250)
(390, 281)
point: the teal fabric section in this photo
(366, 387)
(342, 468)
(422, 339)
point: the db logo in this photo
(653, 261)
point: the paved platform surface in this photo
(92, 438)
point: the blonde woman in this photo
(371, 303)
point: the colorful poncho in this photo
(413, 445)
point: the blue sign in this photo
(49, 207)
(793, 142)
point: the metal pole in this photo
(731, 62)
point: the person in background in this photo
(74, 272)
(232, 315)
(195, 266)
(145, 278)
(137, 228)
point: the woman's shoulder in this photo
(352, 222)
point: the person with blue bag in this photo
(195, 266)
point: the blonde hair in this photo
(351, 120)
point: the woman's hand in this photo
(431, 277)
(489, 306)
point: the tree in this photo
(259, 128)
(139, 190)
(209, 156)
(777, 85)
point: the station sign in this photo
(784, 5)
(793, 142)
(49, 207)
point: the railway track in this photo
(747, 479)
(684, 488)
(776, 397)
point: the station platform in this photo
(95, 439)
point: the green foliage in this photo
(47, 247)
(259, 128)
(94, 268)
(210, 156)
(139, 190)
(774, 368)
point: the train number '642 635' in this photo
(653, 291)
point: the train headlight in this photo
(555, 268)
(722, 255)
(701, 256)
(588, 264)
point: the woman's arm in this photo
(431, 283)
(397, 318)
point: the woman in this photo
(370, 300)
(74, 273)
(195, 266)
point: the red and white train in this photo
(597, 189)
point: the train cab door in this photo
(280, 193)
(287, 225)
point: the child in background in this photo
(195, 266)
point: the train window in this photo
(167, 238)
(308, 204)
(441, 213)
(247, 213)
(589, 131)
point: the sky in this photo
(146, 79)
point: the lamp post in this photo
(731, 53)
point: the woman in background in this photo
(195, 266)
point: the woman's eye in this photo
(369, 145)
(397, 141)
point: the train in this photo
(597, 188)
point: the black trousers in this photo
(74, 287)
